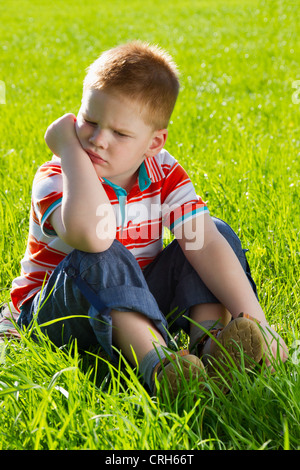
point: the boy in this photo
(98, 208)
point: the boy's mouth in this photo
(95, 157)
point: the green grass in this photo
(235, 129)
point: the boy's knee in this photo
(113, 267)
(232, 239)
(236, 245)
(229, 234)
(82, 259)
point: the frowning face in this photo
(113, 133)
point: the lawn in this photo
(235, 129)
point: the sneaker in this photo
(8, 318)
(241, 337)
(175, 368)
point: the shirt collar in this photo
(144, 178)
(149, 172)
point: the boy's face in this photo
(111, 130)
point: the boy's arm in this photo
(86, 219)
(219, 268)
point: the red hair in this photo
(143, 73)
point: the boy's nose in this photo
(99, 138)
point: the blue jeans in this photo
(89, 285)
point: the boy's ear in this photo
(158, 141)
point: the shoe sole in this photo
(242, 337)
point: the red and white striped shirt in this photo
(163, 196)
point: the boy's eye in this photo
(90, 122)
(120, 134)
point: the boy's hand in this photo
(61, 134)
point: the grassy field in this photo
(235, 129)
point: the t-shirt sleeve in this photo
(179, 199)
(46, 195)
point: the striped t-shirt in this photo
(163, 196)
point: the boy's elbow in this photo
(95, 245)
(90, 241)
